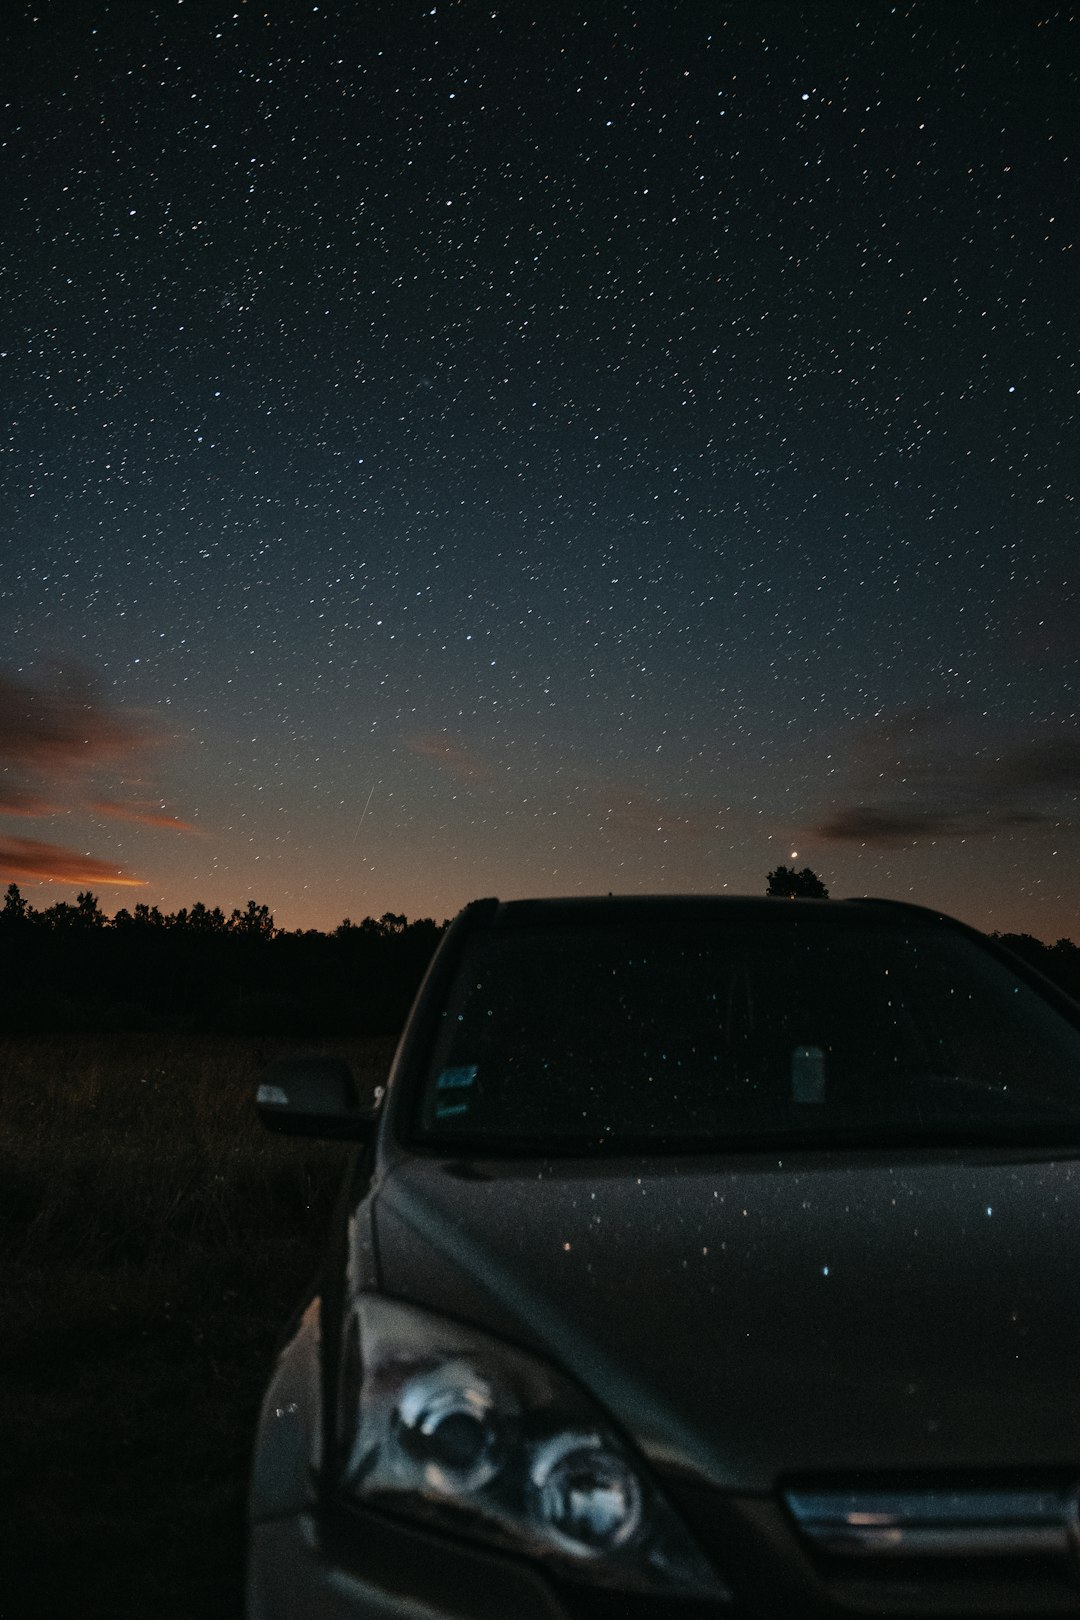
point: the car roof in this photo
(687, 910)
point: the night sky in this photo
(512, 449)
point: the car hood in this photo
(752, 1318)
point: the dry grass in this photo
(153, 1242)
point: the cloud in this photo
(16, 801)
(894, 826)
(61, 741)
(466, 763)
(51, 863)
(147, 813)
(919, 776)
(636, 813)
(1052, 762)
(64, 727)
(871, 824)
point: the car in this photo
(703, 1257)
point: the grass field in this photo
(153, 1241)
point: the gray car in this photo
(705, 1257)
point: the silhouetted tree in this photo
(60, 915)
(254, 921)
(15, 907)
(90, 914)
(204, 921)
(148, 916)
(792, 885)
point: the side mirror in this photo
(314, 1096)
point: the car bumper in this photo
(375, 1570)
(288, 1576)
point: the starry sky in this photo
(456, 449)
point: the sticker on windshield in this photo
(456, 1088)
(456, 1079)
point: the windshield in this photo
(793, 1030)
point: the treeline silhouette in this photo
(70, 967)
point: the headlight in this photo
(586, 1494)
(441, 1422)
(449, 1423)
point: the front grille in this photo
(938, 1523)
(945, 1546)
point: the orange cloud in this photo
(57, 735)
(64, 726)
(141, 810)
(50, 863)
(15, 801)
